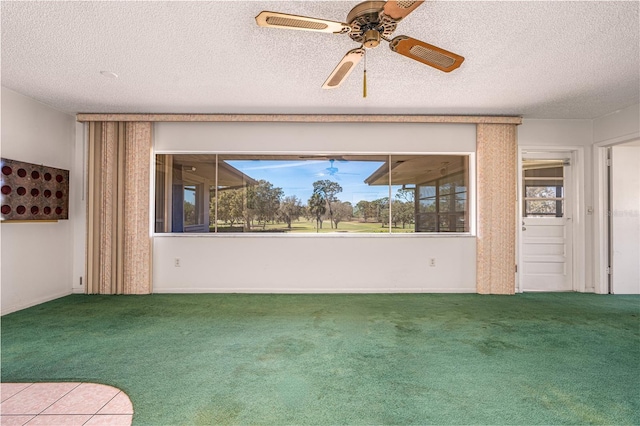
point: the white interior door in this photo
(547, 226)
(625, 226)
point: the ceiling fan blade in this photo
(399, 9)
(295, 22)
(426, 53)
(344, 68)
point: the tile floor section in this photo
(54, 404)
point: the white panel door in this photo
(546, 254)
(547, 226)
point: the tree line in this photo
(264, 203)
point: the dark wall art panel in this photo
(33, 192)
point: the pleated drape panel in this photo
(496, 152)
(119, 240)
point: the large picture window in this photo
(311, 193)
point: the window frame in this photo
(198, 192)
(557, 199)
(437, 199)
(471, 196)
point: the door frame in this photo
(601, 242)
(576, 156)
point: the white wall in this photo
(619, 126)
(313, 263)
(36, 258)
(555, 133)
(319, 138)
(626, 218)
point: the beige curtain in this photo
(119, 241)
(496, 188)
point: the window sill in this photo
(311, 235)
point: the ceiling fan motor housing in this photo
(369, 24)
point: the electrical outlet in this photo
(432, 261)
(176, 262)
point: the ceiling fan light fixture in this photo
(371, 39)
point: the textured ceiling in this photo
(540, 59)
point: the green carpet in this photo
(342, 359)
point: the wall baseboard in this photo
(311, 290)
(35, 302)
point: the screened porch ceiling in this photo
(203, 166)
(411, 169)
(405, 169)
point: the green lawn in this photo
(305, 226)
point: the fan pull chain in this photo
(364, 82)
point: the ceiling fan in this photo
(368, 23)
(332, 169)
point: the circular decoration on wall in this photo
(35, 174)
(21, 190)
(21, 209)
(35, 210)
(22, 172)
(47, 210)
(47, 193)
(59, 178)
(35, 192)
(47, 176)
(6, 170)
(58, 194)
(6, 189)
(58, 210)
(6, 209)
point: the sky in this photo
(296, 177)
